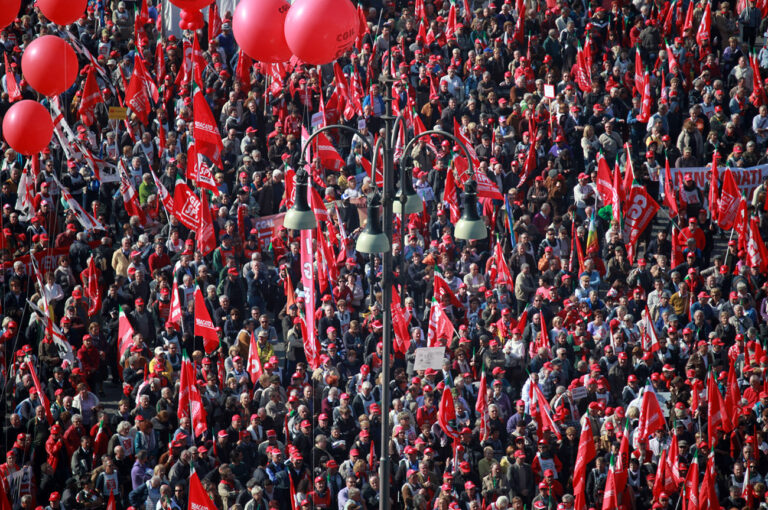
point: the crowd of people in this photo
(566, 325)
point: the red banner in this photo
(311, 344)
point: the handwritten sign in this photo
(429, 357)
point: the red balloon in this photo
(27, 127)
(320, 31)
(9, 10)
(258, 29)
(49, 65)
(62, 12)
(191, 5)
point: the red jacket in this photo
(89, 358)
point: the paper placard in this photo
(429, 357)
(579, 393)
(117, 113)
(317, 119)
(549, 91)
(361, 123)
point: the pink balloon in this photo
(27, 127)
(9, 9)
(49, 65)
(320, 31)
(62, 12)
(258, 29)
(191, 5)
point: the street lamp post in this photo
(373, 240)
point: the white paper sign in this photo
(317, 119)
(429, 357)
(549, 91)
(361, 123)
(579, 393)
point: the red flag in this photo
(757, 253)
(174, 316)
(730, 198)
(160, 62)
(137, 95)
(124, 333)
(14, 93)
(254, 362)
(669, 190)
(440, 326)
(206, 132)
(441, 289)
(708, 499)
(206, 239)
(481, 406)
(503, 274)
(652, 343)
(198, 498)
(447, 412)
(616, 190)
(450, 196)
(186, 205)
(520, 22)
(399, 324)
(214, 22)
(691, 486)
(291, 489)
(204, 326)
(688, 22)
(309, 335)
(541, 412)
(329, 157)
(94, 289)
(715, 411)
(651, 417)
(90, 98)
(604, 182)
(531, 162)
(586, 453)
(705, 27)
(610, 496)
(43, 398)
(165, 197)
(582, 71)
(640, 211)
(130, 197)
(450, 26)
(732, 396)
(621, 466)
(190, 400)
(645, 109)
(714, 182)
(639, 72)
(673, 458)
(243, 71)
(661, 467)
(111, 504)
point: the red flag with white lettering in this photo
(440, 326)
(399, 324)
(204, 326)
(198, 498)
(309, 334)
(206, 238)
(446, 412)
(705, 27)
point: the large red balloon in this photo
(9, 9)
(258, 29)
(191, 5)
(27, 127)
(49, 65)
(62, 12)
(319, 31)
